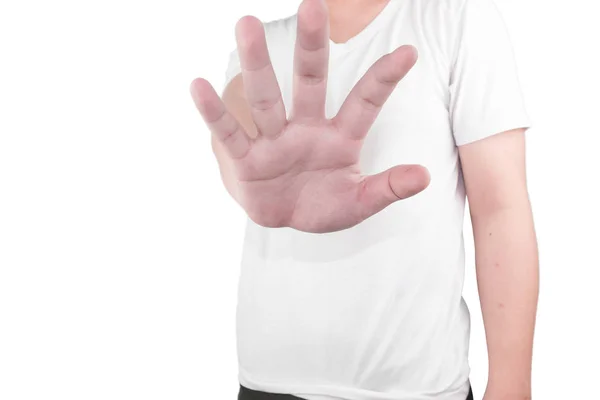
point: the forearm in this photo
(507, 278)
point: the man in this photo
(353, 267)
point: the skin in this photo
(303, 172)
(506, 258)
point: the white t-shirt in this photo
(375, 312)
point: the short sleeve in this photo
(233, 67)
(485, 93)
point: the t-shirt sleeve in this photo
(485, 93)
(233, 67)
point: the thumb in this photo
(397, 183)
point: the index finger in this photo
(363, 104)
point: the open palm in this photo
(303, 172)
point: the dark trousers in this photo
(249, 394)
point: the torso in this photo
(334, 316)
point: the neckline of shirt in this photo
(367, 32)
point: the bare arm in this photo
(506, 257)
(236, 103)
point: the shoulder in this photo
(452, 11)
(436, 19)
(280, 35)
(447, 21)
(454, 7)
(446, 8)
(435, 25)
(458, 10)
(280, 29)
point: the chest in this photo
(413, 126)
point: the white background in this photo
(120, 250)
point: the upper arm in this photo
(487, 110)
(485, 92)
(494, 172)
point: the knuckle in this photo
(265, 104)
(311, 79)
(369, 103)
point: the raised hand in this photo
(303, 172)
